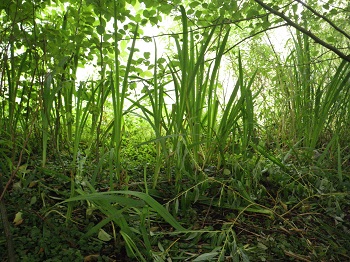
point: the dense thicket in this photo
(207, 126)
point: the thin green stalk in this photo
(119, 93)
(158, 94)
(48, 94)
(82, 109)
(237, 121)
(155, 116)
(213, 102)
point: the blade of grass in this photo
(158, 208)
(119, 94)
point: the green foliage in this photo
(146, 156)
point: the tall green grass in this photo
(184, 130)
(154, 112)
(15, 95)
(197, 127)
(119, 88)
(316, 102)
(195, 110)
(311, 104)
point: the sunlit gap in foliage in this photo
(145, 49)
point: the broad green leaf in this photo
(103, 235)
(33, 200)
(165, 9)
(192, 235)
(128, 202)
(331, 39)
(156, 206)
(227, 172)
(154, 20)
(194, 4)
(111, 198)
(252, 12)
(100, 29)
(206, 257)
(146, 73)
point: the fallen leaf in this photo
(18, 219)
(104, 236)
(91, 258)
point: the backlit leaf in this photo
(18, 219)
(104, 236)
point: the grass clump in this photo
(176, 173)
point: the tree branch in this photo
(324, 18)
(305, 31)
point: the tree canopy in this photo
(75, 31)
